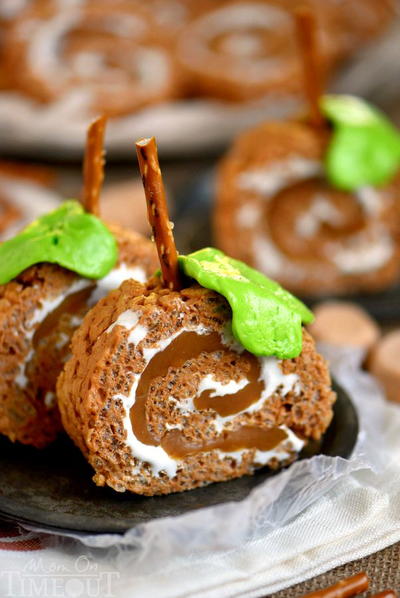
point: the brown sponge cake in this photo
(160, 398)
(39, 311)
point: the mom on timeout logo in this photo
(37, 578)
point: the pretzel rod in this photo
(386, 594)
(157, 211)
(351, 586)
(93, 166)
(306, 29)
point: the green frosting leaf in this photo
(266, 319)
(68, 236)
(365, 146)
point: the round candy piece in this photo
(344, 324)
(384, 364)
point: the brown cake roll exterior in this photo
(276, 212)
(160, 398)
(110, 57)
(39, 311)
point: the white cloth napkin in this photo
(357, 514)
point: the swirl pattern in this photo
(108, 56)
(276, 211)
(45, 305)
(243, 50)
(187, 405)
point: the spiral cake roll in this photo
(39, 311)
(244, 50)
(104, 57)
(276, 211)
(160, 398)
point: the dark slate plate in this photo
(53, 489)
(193, 230)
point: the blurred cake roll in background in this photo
(24, 195)
(108, 56)
(276, 211)
(166, 62)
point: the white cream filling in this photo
(63, 339)
(150, 66)
(44, 46)
(321, 211)
(50, 399)
(248, 215)
(218, 389)
(370, 200)
(128, 319)
(280, 452)
(114, 279)
(242, 44)
(47, 306)
(156, 456)
(269, 259)
(9, 9)
(271, 375)
(268, 181)
(362, 254)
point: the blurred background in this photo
(194, 73)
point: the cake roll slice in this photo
(39, 311)
(277, 211)
(160, 397)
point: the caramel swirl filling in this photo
(188, 346)
(316, 215)
(72, 304)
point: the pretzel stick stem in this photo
(351, 586)
(306, 30)
(157, 212)
(93, 166)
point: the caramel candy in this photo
(385, 365)
(343, 323)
